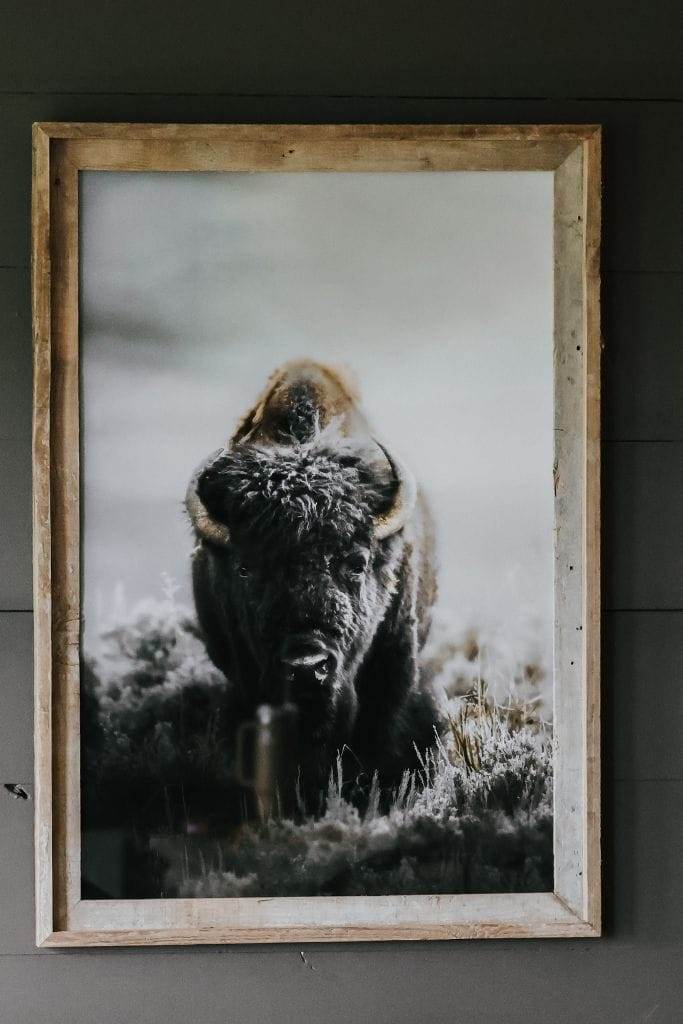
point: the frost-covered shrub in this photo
(154, 717)
(508, 661)
(475, 817)
(450, 828)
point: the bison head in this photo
(299, 536)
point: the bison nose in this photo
(307, 658)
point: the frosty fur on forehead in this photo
(329, 485)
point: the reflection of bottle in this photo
(265, 758)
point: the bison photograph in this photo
(317, 534)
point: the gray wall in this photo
(618, 64)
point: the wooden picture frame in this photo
(572, 154)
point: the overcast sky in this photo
(434, 288)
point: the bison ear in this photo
(214, 488)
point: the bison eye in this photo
(242, 571)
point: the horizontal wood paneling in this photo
(643, 358)
(643, 153)
(485, 983)
(15, 525)
(16, 765)
(643, 498)
(15, 355)
(642, 853)
(491, 48)
(643, 695)
(16, 698)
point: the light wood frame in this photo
(572, 153)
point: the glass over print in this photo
(317, 533)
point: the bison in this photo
(313, 576)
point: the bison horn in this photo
(403, 505)
(207, 527)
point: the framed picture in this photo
(317, 530)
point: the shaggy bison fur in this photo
(313, 578)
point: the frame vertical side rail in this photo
(65, 481)
(42, 537)
(592, 518)
(568, 667)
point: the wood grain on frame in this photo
(568, 563)
(573, 153)
(65, 488)
(42, 552)
(592, 193)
